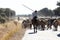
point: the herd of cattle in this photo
(41, 23)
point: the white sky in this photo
(33, 4)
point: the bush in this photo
(2, 20)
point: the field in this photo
(11, 31)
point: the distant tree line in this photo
(57, 10)
(5, 14)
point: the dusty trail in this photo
(41, 35)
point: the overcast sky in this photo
(33, 4)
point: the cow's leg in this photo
(47, 27)
(56, 28)
(43, 27)
(30, 26)
(39, 27)
(50, 26)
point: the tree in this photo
(6, 13)
(57, 10)
(58, 3)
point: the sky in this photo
(17, 5)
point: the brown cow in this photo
(27, 23)
(55, 24)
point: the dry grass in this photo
(19, 34)
(8, 30)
